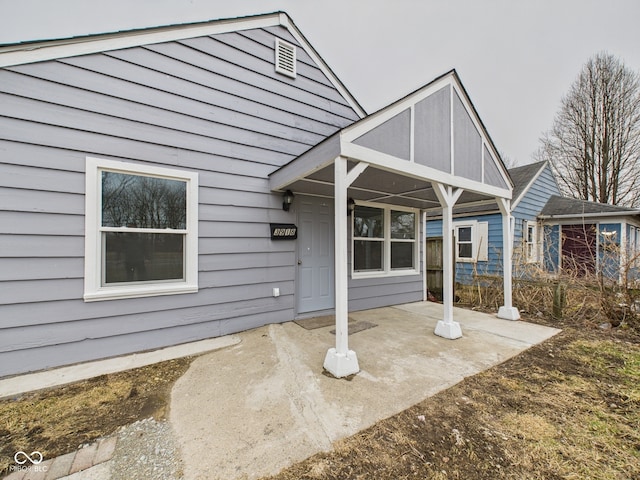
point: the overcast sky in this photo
(516, 58)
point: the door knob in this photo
(299, 262)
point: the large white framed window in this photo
(471, 241)
(141, 230)
(384, 241)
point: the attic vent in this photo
(285, 58)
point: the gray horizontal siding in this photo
(213, 105)
(533, 201)
(218, 299)
(32, 358)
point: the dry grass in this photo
(57, 421)
(566, 409)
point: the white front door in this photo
(315, 287)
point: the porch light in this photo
(287, 200)
(351, 205)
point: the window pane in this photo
(142, 257)
(403, 225)
(464, 234)
(367, 255)
(464, 250)
(402, 255)
(368, 222)
(143, 202)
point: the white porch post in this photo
(447, 196)
(507, 311)
(340, 361)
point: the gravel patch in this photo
(145, 450)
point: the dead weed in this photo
(56, 421)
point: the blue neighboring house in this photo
(550, 232)
(589, 237)
(478, 228)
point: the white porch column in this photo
(447, 196)
(340, 361)
(507, 311)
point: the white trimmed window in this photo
(141, 231)
(384, 241)
(471, 241)
(531, 241)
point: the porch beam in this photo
(447, 196)
(340, 361)
(507, 311)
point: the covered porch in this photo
(429, 149)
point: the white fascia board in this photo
(515, 203)
(50, 50)
(311, 161)
(569, 219)
(415, 170)
(376, 119)
(297, 34)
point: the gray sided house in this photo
(180, 183)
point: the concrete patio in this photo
(251, 409)
(261, 401)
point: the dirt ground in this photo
(58, 420)
(566, 409)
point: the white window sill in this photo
(115, 293)
(379, 274)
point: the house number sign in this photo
(283, 231)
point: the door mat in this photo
(358, 327)
(318, 322)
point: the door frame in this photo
(312, 313)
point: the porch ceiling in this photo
(378, 185)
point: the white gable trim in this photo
(50, 50)
(349, 134)
(293, 29)
(514, 204)
(26, 53)
(415, 170)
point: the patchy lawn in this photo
(58, 420)
(566, 409)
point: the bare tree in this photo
(594, 144)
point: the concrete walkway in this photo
(257, 406)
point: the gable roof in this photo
(38, 51)
(433, 135)
(563, 207)
(523, 178)
(439, 112)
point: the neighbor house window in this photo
(464, 239)
(384, 241)
(141, 231)
(471, 241)
(531, 242)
